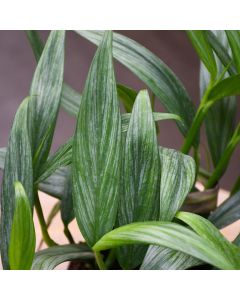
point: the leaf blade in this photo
(22, 239)
(17, 167)
(97, 140)
(204, 50)
(169, 235)
(141, 169)
(49, 258)
(153, 72)
(45, 95)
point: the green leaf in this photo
(2, 157)
(61, 158)
(220, 119)
(211, 234)
(225, 88)
(221, 52)
(96, 149)
(153, 72)
(18, 167)
(200, 43)
(227, 213)
(234, 42)
(156, 116)
(45, 95)
(141, 170)
(161, 258)
(127, 96)
(177, 179)
(70, 99)
(22, 238)
(67, 212)
(55, 184)
(176, 237)
(49, 258)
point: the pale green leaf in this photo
(96, 149)
(176, 237)
(22, 238)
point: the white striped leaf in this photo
(153, 72)
(140, 175)
(96, 148)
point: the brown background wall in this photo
(17, 66)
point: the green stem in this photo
(197, 121)
(110, 259)
(42, 222)
(100, 261)
(223, 163)
(68, 235)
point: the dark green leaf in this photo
(2, 157)
(234, 42)
(220, 119)
(221, 52)
(225, 88)
(67, 212)
(141, 170)
(70, 99)
(18, 167)
(161, 258)
(153, 72)
(55, 184)
(45, 95)
(96, 149)
(49, 258)
(61, 158)
(177, 178)
(156, 116)
(22, 238)
(204, 50)
(176, 237)
(227, 213)
(127, 96)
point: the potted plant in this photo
(136, 202)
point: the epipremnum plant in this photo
(135, 202)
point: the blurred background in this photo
(17, 66)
